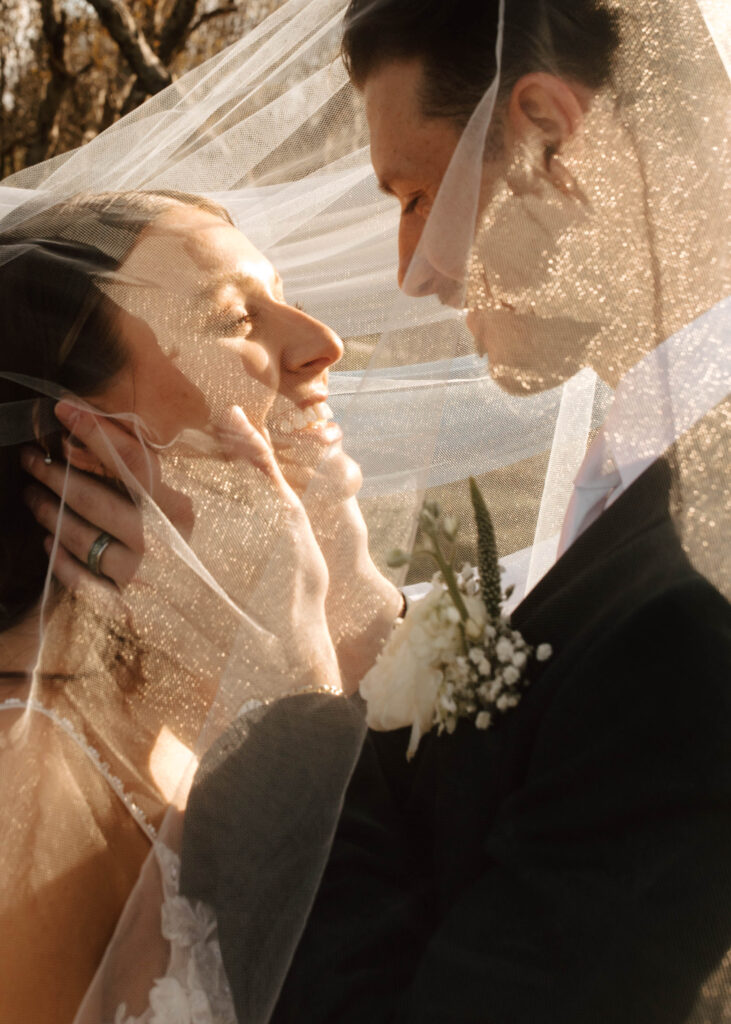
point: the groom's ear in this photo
(545, 112)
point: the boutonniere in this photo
(455, 655)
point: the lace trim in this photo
(194, 988)
(15, 704)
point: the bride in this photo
(179, 337)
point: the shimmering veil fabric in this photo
(627, 269)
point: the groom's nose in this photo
(417, 276)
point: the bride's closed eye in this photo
(237, 320)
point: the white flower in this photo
(506, 701)
(495, 688)
(544, 652)
(401, 688)
(473, 629)
(476, 655)
(519, 659)
(484, 667)
(511, 675)
(477, 613)
(483, 720)
(447, 703)
(504, 650)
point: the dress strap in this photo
(15, 704)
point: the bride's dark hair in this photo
(57, 325)
(456, 40)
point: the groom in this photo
(573, 865)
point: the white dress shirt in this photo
(656, 402)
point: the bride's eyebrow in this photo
(237, 278)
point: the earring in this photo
(561, 177)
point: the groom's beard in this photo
(527, 354)
(560, 277)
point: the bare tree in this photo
(70, 68)
(53, 19)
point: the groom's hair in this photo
(455, 39)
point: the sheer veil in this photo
(628, 273)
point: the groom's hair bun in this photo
(574, 39)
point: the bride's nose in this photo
(308, 344)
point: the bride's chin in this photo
(344, 472)
(330, 474)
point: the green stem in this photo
(450, 580)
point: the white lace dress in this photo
(194, 988)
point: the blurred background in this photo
(70, 68)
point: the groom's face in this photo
(560, 202)
(410, 154)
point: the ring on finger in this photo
(96, 551)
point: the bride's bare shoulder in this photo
(72, 853)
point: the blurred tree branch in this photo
(210, 15)
(176, 29)
(121, 25)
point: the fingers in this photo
(109, 447)
(111, 444)
(90, 498)
(74, 577)
(241, 439)
(76, 537)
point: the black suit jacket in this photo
(571, 865)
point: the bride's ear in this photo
(545, 113)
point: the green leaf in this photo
(486, 552)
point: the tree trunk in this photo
(54, 31)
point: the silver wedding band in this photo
(96, 551)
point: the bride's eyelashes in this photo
(238, 321)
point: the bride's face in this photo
(206, 326)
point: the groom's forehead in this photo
(406, 147)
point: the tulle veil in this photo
(272, 130)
